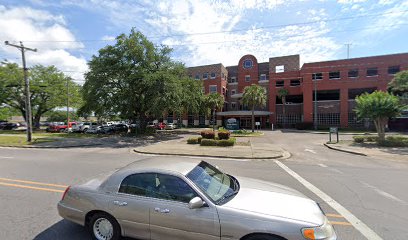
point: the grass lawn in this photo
(21, 140)
(49, 135)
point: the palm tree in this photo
(254, 96)
(214, 101)
(282, 93)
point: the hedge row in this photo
(390, 141)
(195, 140)
(219, 143)
(209, 134)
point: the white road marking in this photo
(385, 194)
(310, 150)
(6, 157)
(335, 170)
(322, 165)
(357, 223)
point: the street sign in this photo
(334, 130)
(257, 123)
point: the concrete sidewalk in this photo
(371, 150)
(239, 151)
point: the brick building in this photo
(336, 83)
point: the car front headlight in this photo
(324, 231)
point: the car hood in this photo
(271, 199)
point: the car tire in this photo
(103, 226)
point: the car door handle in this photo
(120, 203)
(161, 210)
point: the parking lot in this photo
(370, 189)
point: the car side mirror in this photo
(195, 203)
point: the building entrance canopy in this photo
(244, 113)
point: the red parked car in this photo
(160, 126)
(59, 127)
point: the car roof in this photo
(162, 164)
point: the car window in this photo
(173, 188)
(143, 184)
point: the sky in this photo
(67, 33)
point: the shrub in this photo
(358, 139)
(226, 142)
(371, 138)
(224, 135)
(208, 142)
(150, 130)
(208, 134)
(193, 140)
(243, 131)
(304, 126)
(394, 141)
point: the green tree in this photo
(282, 93)
(399, 84)
(214, 101)
(254, 96)
(378, 106)
(136, 80)
(48, 89)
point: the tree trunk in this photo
(380, 127)
(284, 111)
(253, 119)
(36, 122)
(213, 119)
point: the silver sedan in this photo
(179, 199)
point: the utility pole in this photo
(315, 105)
(67, 106)
(348, 49)
(27, 87)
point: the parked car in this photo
(86, 125)
(160, 126)
(170, 126)
(121, 128)
(9, 126)
(94, 130)
(107, 129)
(60, 127)
(191, 200)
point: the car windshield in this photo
(216, 185)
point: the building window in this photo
(212, 75)
(233, 92)
(393, 69)
(295, 82)
(205, 76)
(248, 63)
(197, 77)
(334, 75)
(280, 68)
(372, 71)
(280, 83)
(213, 88)
(233, 80)
(317, 76)
(233, 105)
(262, 77)
(247, 78)
(353, 73)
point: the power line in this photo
(231, 31)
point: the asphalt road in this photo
(372, 190)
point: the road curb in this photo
(51, 147)
(205, 156)
(343, 150)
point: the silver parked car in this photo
(179, 199)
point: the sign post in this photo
(334, 130)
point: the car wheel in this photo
(104, 227)
(62, 130)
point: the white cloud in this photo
(350, 1)
(44, 31)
